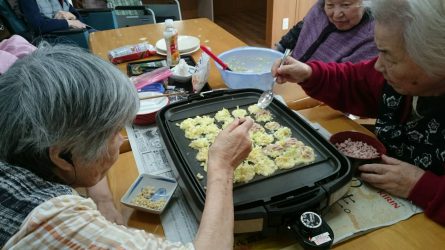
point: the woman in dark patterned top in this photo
(404, 88)
(333, 31)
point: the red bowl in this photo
(358, 137)
(149, 107)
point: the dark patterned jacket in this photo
(20, 192)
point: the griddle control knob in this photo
(312, 231)
(310, 221)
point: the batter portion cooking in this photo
(274, 146)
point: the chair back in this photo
(117, 4)
(134, 12)
(99, 19)
(140, 15)
(168, 10)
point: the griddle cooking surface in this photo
(262, 189)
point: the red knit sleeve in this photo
(429, 194)
(351, 88)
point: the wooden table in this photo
(417, 232)
(210, 34)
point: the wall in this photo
(226, 7)
(277, 10)
(189, 8)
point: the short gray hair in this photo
(62, 96)
(422, 29)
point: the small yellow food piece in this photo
(263, 116)
(239, 113)
(265, 166)
(272, 149)
(262, 139)
(244, 173)
(253, 109)
(202, 154)
(272, 126)
(199, 143)
(283, 133)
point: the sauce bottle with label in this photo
(171, 42)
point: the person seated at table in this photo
(332, 31)
(61, 113)
(404, 88)
(11, 50)
(45, 16)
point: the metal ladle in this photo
(267, 96)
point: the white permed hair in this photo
(422, 26)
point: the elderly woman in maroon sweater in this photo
(333, 31)
(404, 88)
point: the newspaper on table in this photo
(365, 208)
(178, 220)
(362, 209)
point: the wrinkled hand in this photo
(65, 15)
(393, 176)
(232, 145)
(76, 24)
(291, 71)
(109, 211)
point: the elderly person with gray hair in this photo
(332, 31)
(404, 88)
(17, 47)
(61, 113)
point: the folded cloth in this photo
(12, 49)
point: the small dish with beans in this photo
(360, 148)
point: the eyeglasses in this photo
(341, 7)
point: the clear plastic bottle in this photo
(171, 42)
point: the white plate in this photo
(163, 53)
(151, 105)
(185, 44)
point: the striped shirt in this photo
(73, 222)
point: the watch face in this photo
(310, 219)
